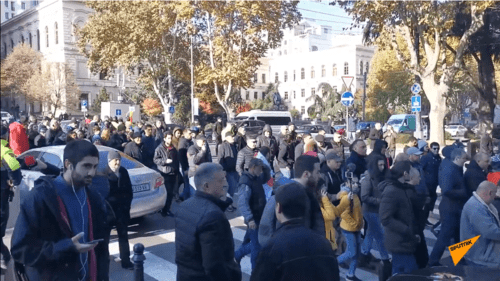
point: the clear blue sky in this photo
(326, 14)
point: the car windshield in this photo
(4, 115)
(362, 126)
(453, 127)
(305, 127)
(395, 121)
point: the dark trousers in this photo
(450, 229)
(4, 218)
(185, 191)
(122, 221)
(170, 182)
(251, 247)
(433, 196)
(421, 253)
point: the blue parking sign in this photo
(416, 103)
(118, 112)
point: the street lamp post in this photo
(121, 87)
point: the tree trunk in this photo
(436, 96)
(487, 77)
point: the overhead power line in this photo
(324, 13)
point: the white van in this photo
(275, 119)
(402, 123)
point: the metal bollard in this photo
(138, 260)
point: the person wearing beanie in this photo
(134, 147)
(197, 154)
(423, 146)
(120, 198)
(310, 258)
(430, 166)
(246, 154)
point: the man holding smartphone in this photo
(58, 219)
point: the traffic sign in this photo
(171, 109)
(347, 80)
(84, 103)
(415, 88)
(347, 99)
(416, 103)
(118, 112)
(131, 108)
(84, 109)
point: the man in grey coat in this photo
(480, 217)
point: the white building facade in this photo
(310, 54)
(49, 28)
(10, 9)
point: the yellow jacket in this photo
(351, 221)
(328, 211)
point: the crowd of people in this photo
(310, 208)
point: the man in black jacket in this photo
(246, 154)
(286, 157)
(227, 158)
(134, 148)
(203, 239)
(54, 134)
(167, 162)
(267, 139)
(430, 165)
(218, 134)
(332, 175)
(295, 252)
(477, 171)
(358, 155)
(251, 201)
(120, 198)
(184, 143)
(52, 235)
(241, 138)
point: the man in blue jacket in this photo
(251, 202)
(455, 195)
(60, 218)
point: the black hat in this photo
(113, 154)
(292, 198)
(136, 135)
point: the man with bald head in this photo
(480, 217)
(203, 238)
(477, 172)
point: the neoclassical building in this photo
(310, 54)
(49, 28)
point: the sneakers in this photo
(364, 261)
(352, 278)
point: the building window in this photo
(22, 39)
(279, 53)
(314, 48)
(56, 33)
(334, 70)
(294, 95)
(12, 44)
(4, 50)
(302, 110)
(361, 67)
(6, 3)
(302, 73)
(31, 40)
(303, 93)
(312, 71)
(6, 16)
(255, 78)
(23, 5)
(103, 74)
(346, 68)
(38, 39)
(294, 75)
(286, 95)
(247, 95)
(323, 71)
(285, 52)
(325, 30)
(335, 89)
(255, 95)
(47, 35)
(367, 66)
(264, 78)
(276, 77)
(12, 7)
(313, 92)
(286, 77)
